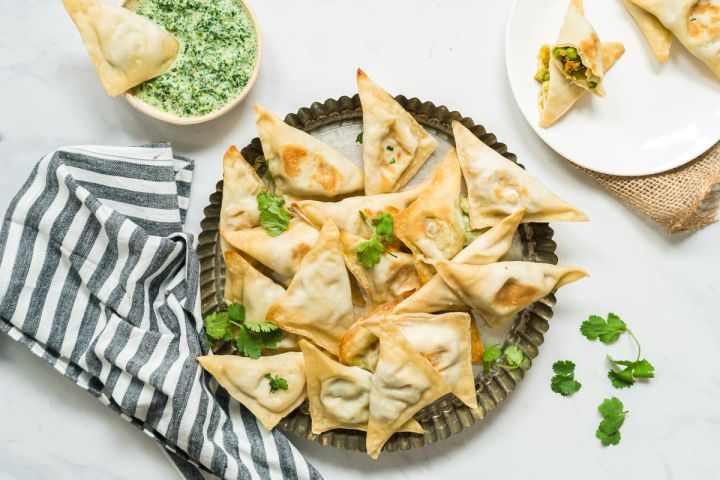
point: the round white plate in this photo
(655, 116)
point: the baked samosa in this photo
(394, 275)
(445, 341)
(247, 380)
(126, 48)
(241, 185)
(258, 293)
(432, 226)
(339, 396)
(403, 383)
(577, 52)
(500, 290)
(318, 303)
(283, 253)
(695, 23)
(491, 246)
(497, 187)
(346, 212)
(557, 95)
(301, 164)
(395, 146)
(658, 37)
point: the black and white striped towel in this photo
(98, 279)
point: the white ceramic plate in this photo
(655, 116)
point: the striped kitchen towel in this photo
(98, 279)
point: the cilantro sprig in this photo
(513, 357)
(564, 381)
(274, 218)
(276, 383)
(249, 337)
(608, 331)
(369, 252)
(359, 138)
(613, 413)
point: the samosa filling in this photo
(543, 74)
(573, 66)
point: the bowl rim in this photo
(167, 117)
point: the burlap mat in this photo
(680, 200)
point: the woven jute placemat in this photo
(680, 200)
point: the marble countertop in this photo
(450, 52)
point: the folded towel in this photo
(98, 279)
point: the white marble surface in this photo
(452, 53)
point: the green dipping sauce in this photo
(218, 53)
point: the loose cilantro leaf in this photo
(565, 386)
(384, 227)
(564, 381)
(359, 138)
(490, 355)
(514, 356)
(274, 218)
(276, 383)
(626, 377)
(389, 148)
(621, 378)
(643, 369)
(565, 368)
(613, 413)
(391, 161)
(369, 252)
(608, 331)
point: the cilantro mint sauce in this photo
(218, 52)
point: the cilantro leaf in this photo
(608, 331)
(247, 344)
(565, 386)
(217, 325)
(564, 381)
(613, 413)
(514, 356)
(274, 218)
(490, 355)
(605, 439)
(643, 369)
(236, 312)
(391, 161)
(261, 327)
(389, 148)
(621, 378)
(611, 406)
(276, 383)
(384, 227)
(368, 253)
(626, 377)
(564, 367)
(359, 138)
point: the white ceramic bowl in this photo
(177, 120)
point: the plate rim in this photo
(447, 415)
(699, 151)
